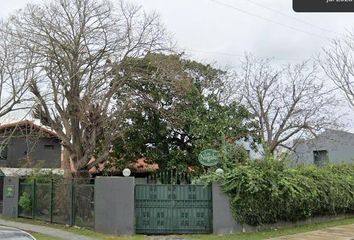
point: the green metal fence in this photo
(164, 209)
(68, 202)
(169, 177)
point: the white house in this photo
(255, 150)
(331, 146)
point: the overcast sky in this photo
(236, 26)
(222, 30)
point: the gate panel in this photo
(162, 209)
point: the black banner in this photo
(323, 5)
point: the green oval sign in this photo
(209, 157)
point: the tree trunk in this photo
(66, 164)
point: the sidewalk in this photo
(345, 232)
(44, 230)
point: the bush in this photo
(268, 192)
(25, 201)
(43, 176)
(234, 155)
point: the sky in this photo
(221, 31)
(267, 28)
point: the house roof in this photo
(336, 131)
(329, 134)
(27, 123)
(138, 166)
(141, 166)
(19, 172)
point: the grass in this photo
(76, 230)
(45, 237)
(277, 233)
(39, 236)
(243, 236)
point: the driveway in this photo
(44, 230)
(345, 232)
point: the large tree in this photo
(338, 63)
(286, 101)
(77, 47)
(15, 73)
(178, 114)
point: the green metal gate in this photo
(162, 209)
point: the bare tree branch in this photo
(286, 102)
(338, 64)
(77, 46)
(15, 74)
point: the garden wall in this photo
(114, 210)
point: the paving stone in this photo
(345, 232)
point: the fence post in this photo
(223, 221)
(11, 197)
(34, 199)
(51, 200)
(72, 203)
(118, 193)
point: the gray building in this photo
(255, 150)
(25, 145)
(332, 146)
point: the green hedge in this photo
(268, 192)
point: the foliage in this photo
(268, 191)
(234, 155)
(25, 201)
(179, 114)
(43, 176)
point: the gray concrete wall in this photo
(223, 221)
(10, 202)
(339, 144)
(114, 205)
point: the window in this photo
(3, 152)
(320, 157)
(48, 146)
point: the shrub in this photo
(43, 176)
(268, 192)
(234, 155)
(25, 201)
